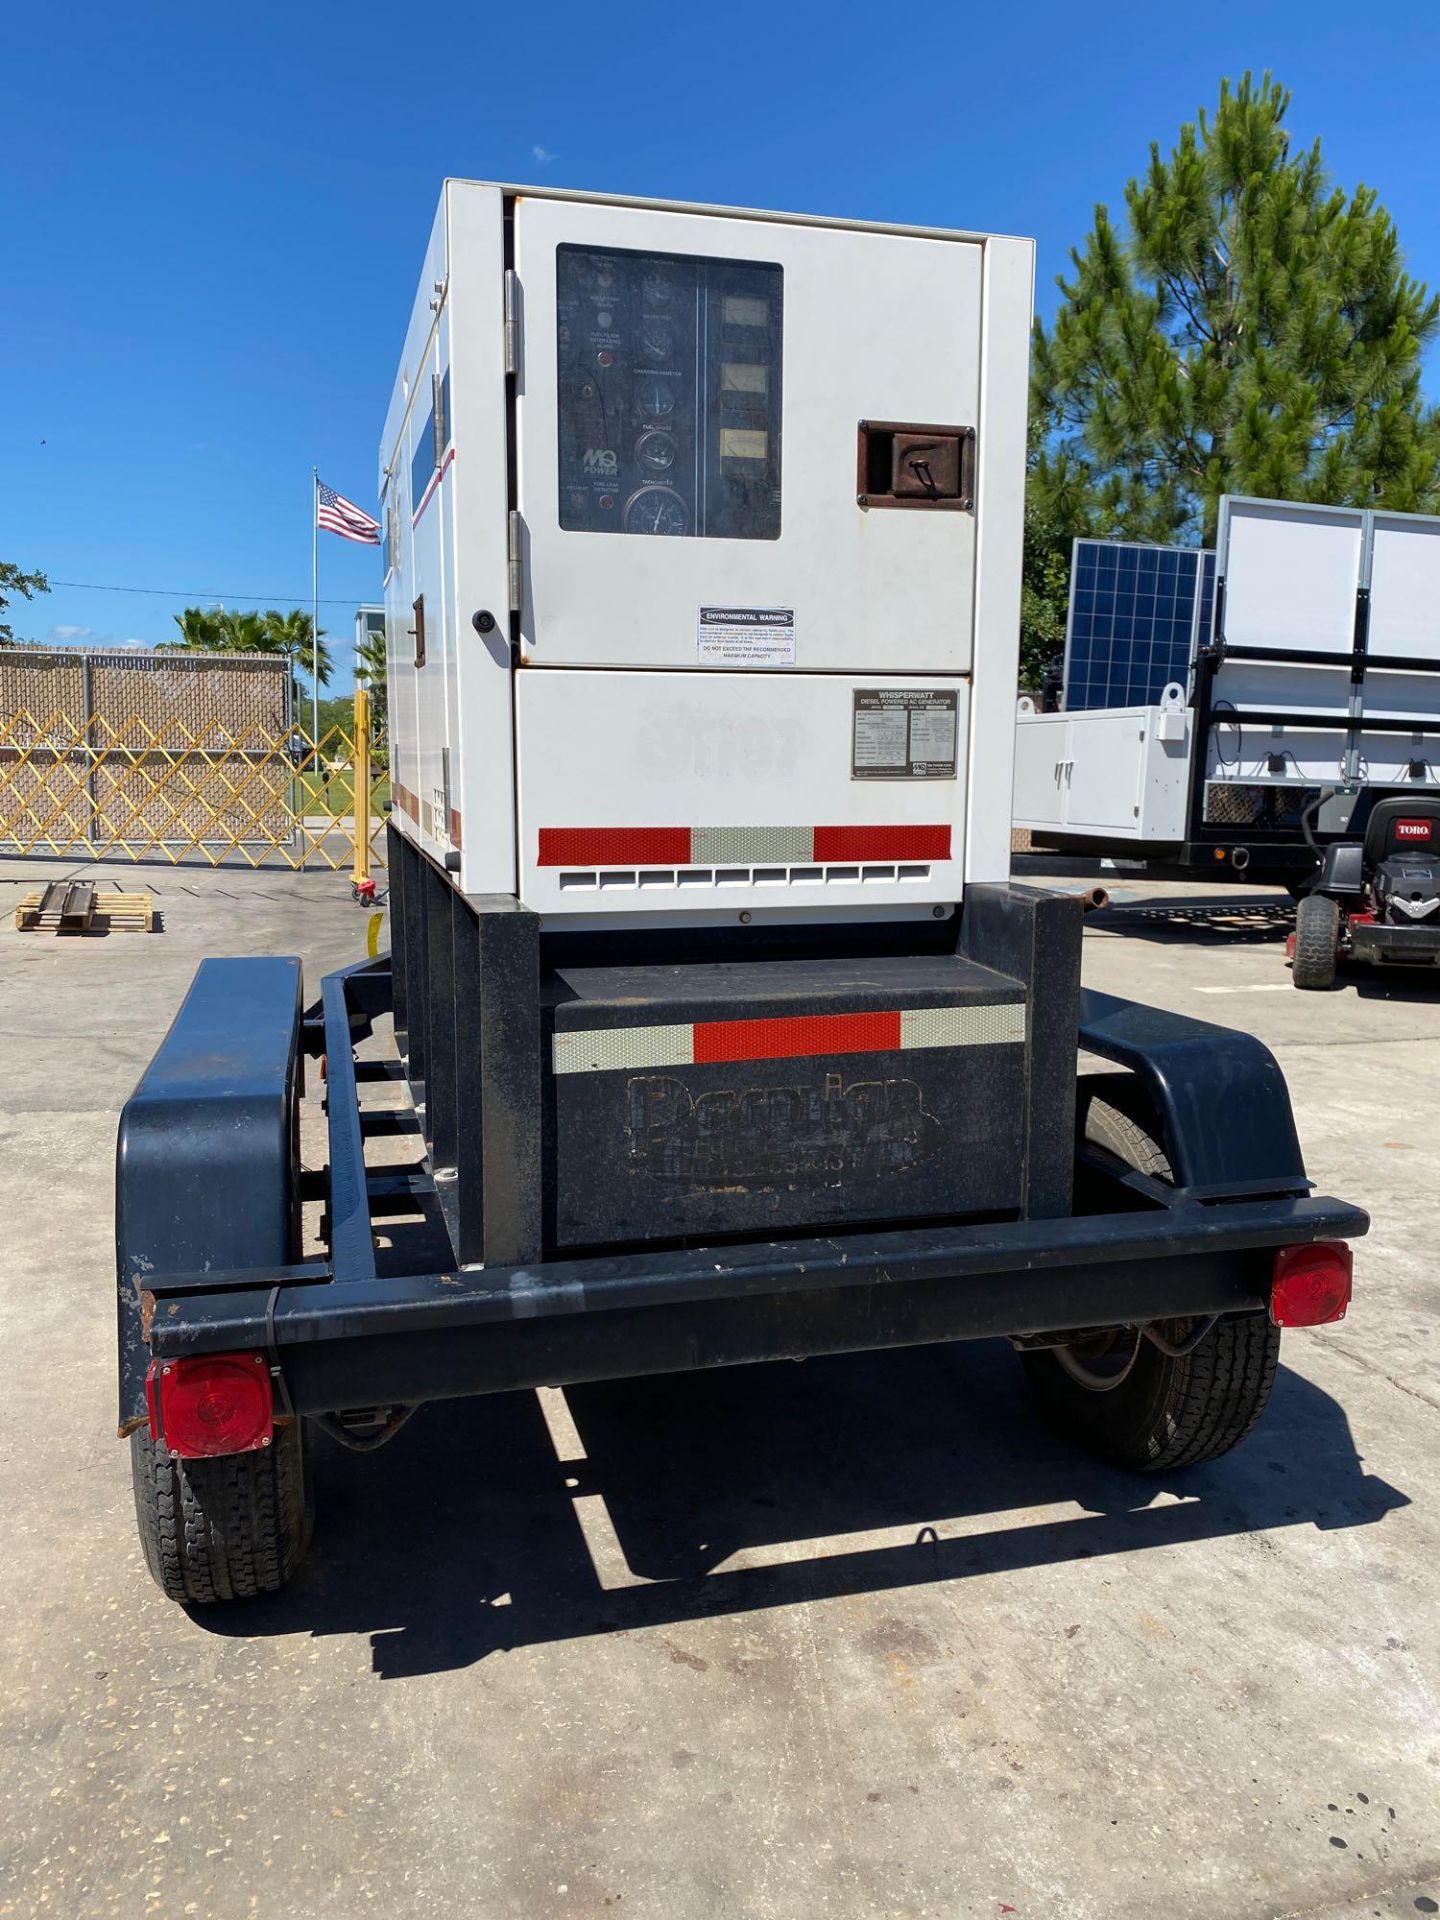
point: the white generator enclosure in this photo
(702, 550)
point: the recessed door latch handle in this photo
(901, 465)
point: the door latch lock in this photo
(902, 465)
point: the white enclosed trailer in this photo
(1321, 675)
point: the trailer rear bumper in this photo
(431, 1336)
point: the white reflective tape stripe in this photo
(615, 1049)
(609, 1048)
(962, 1026)
(713, 846)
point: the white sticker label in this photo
(747, 637)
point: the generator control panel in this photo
(669, 402)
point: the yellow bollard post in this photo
(361, 884)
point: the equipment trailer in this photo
(728, 1035)
(1310, 697)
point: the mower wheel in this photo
(1317, 941)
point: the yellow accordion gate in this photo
(179, 757)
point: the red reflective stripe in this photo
(614, 846)
(784, 1039)
(882, 843)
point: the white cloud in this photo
(68, 636)
(543, 155)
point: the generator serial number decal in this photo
(746, 637)
(904, 733)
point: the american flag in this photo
(338, 515)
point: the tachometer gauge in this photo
(655, 399)
(655, 451)
(656, 510)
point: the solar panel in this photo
(1133, 620)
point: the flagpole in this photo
(315, 611)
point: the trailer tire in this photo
(1159, 1411)
(223, 1529)
(1317, 941)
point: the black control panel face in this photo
(669, 394)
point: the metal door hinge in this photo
(514, 557)
(512, 322)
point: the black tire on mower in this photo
(1317, 941)
(1166, 1411)
(223, 1529)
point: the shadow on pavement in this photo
(1242, 920)
(464, 1537)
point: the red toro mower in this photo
(1376, 899)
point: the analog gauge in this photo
(655, 399)
(656, 510)
(656, 345)
(655, 289)
(655, 451)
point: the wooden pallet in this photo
(78, 906)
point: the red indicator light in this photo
(217, 1403)
(1311, 1285)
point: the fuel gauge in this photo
(655, 451)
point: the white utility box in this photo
(702, 545)
(1120, 771)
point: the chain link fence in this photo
(179, 757)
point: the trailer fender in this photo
(1220, 1097)
(207, 1160)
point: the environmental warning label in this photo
(904, 733)
(747, 637)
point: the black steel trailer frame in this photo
(210, 1188)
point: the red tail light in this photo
(1311, 1285)
(215, 1403)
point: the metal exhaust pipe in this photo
(1240, 859)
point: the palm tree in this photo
(224, 630)
(293, 634)
(370, 672)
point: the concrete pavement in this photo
(852, 1639)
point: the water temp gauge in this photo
(656, 345)
(656, 510)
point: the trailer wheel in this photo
(1317, 941)
(222, 1529)
(1120, 1397)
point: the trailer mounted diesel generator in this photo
(726, 1036)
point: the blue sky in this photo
(214, 219)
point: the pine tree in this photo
(1252, 330)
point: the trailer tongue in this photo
(727, 1035)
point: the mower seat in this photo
(1403, 826)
